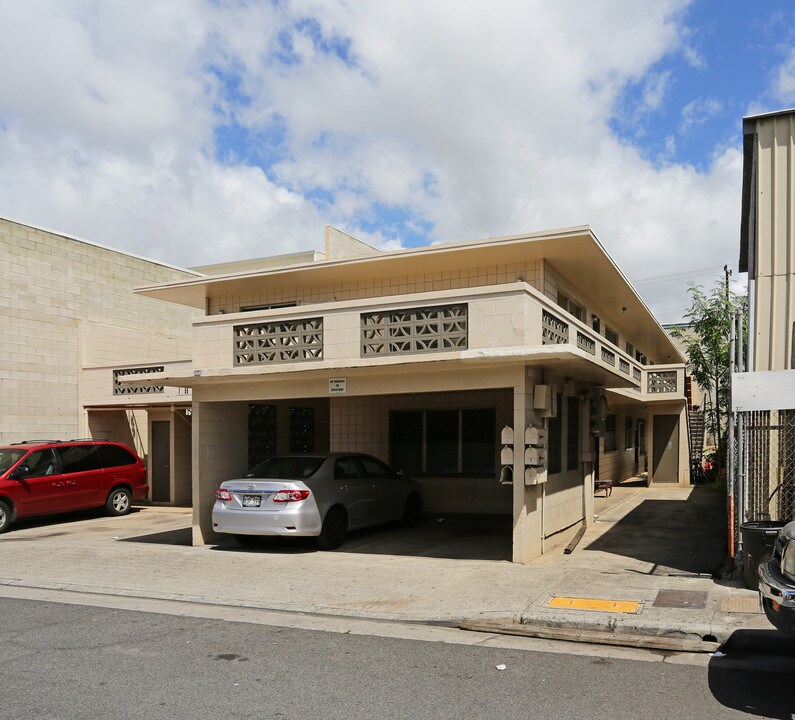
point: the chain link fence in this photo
(764, 457)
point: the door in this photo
(160, 461)
(40, 487)
(355, 491)
(83, 475)
(389, 491)
(665, 449)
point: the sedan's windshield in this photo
(286, 468)
(9, 457)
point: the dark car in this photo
(46, 477)
(320, 496)
(777, 582)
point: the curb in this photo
(598, 637)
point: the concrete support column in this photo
(527, 508)
(590, 446)
(219, 452)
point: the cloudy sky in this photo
(198, 131)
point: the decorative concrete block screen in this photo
(585, 343)
(133, 388)
(553, 330)
(286, 341)
(662, 381)
(415, 330)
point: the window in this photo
(79, 458)
(115, 456)
(610, 433)
(596, 324)
(642, 437)
(347, 468)
(374, 468)
(611, 335)
(302, 429)
(628, 432)
(406, 433)
(41, 463)
(572, 433)
(443, 442)
(554, 446)
(570, 306)
(478, 440)
(641, 358)
(270, 306)
(630, 349)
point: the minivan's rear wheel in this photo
(335, 525)
(119, 502)
(5, 516)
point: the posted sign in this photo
(337, 386)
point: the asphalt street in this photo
(76, 661)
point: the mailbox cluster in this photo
(533, 452)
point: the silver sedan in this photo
(321, 496)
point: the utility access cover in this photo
(694, 599)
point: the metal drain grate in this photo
(694, 599)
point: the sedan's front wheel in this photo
(332, 534)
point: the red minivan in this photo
(44, 477)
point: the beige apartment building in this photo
(504, 374)
(526, 359)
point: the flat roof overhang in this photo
(574, 364)
(576, 253)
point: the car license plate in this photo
(252, 501)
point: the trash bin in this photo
(759, 537)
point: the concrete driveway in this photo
(444, 572)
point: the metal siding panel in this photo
(764, 199)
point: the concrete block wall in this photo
(219, 452)
(50, 285)
(452, 279)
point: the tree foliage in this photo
(706, 341)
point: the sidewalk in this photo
(140, 556)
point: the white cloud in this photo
(699, 111)
(502, 109)
(784, 86)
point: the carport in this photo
(445, 439)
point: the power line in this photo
(677, 276)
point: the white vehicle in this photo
(321, 496)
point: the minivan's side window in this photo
(115, 456)
(41, 463)
(79, 458)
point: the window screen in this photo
(405, 440)
(610, 433)
(554, 459)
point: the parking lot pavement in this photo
(391, 573)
